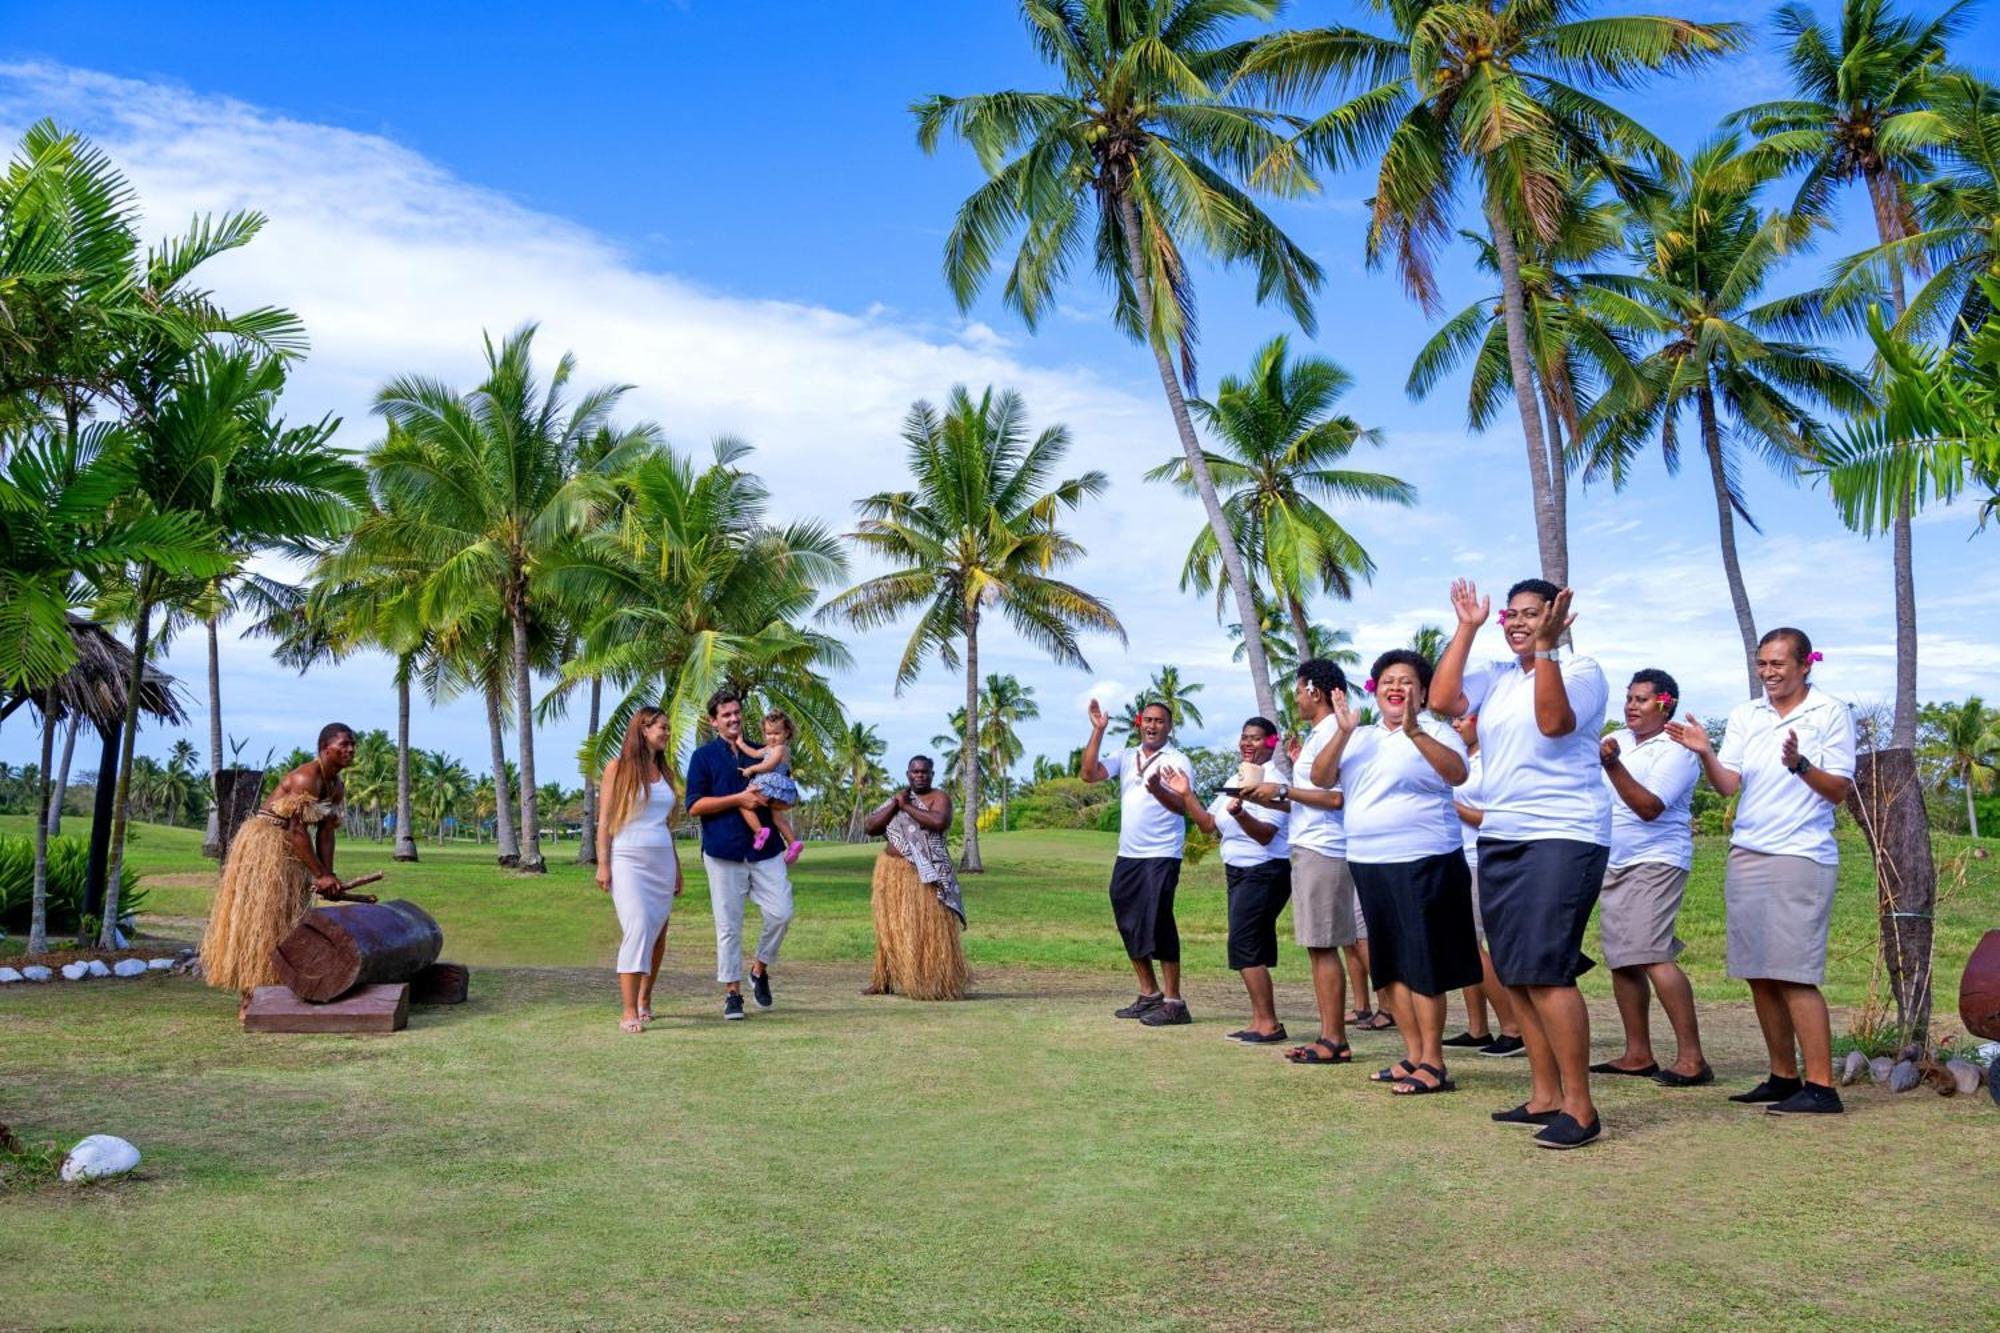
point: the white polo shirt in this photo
(1667, 769)
(1535, 786)
(1398, 808)
(1322, 831)
(1468, 795)
(1146, 829)
(1776, 812)
(1239, 848)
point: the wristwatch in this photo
(1549, 654)
(1801, 767)
(1284, 791)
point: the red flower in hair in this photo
(1815, 656)
(1369, 685)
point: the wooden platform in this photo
(369, 1009)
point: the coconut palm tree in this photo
(1167, 687)
(697, 589)
(446, 787)
(1850, 88)
(1496, 97)
(494, 489)
(1276, 462)
(1966, 736)
(1141, 159)
(978, 531)
(1004, 704)
(856, 756)
(1717, 349)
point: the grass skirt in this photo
(264, 891)
(917, 948)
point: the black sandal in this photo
(1309, 1054)
(1378, 1020)
(1389, 1075)
(1413, 1087)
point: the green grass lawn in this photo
(1019, 1160)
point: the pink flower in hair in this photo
(1270, 742)
(1369, 685)
(1815, 656)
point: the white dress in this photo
(644, 866)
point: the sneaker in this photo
(1503, 1046)
(1140, 1007)
(732, 1006)
(1167, 1014)
(1563, 1132)
(1810, 1099)
(760, 988)
(1773, 1089)
(1467, 1039)
(792, 852)
(1521, 1115)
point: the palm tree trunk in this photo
(54, 820)
(531, 830)
(1559, 491)
(1301, 628)
(1903, 726)
(1513, 312)
(503, 800)
(1725, 517)
(211, 842)
(107, 934)
(38, 918)
(1233, 568)
(406, 841)
(586, 853)
(968, 747)
(1971, 810)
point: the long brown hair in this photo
(635, 762)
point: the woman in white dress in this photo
(636, 861)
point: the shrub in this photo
(1066, 803)
(67, 860)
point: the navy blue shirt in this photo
(715, 770)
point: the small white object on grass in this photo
(99, 1156)
(8, 974)
(97, 968)
(159, 964)
(36, 972)
(74, 971)
(129, 967)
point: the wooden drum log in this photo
(335, 949)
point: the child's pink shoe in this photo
(763, 836)
(792, 852)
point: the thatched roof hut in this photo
(95, 686)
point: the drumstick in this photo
(357, 882)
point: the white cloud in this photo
(397, 265)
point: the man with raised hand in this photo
(1148, 867)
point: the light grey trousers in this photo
(730, 885)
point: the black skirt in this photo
(1257, 898)
(1419, 916)
(1142, 903)
(1536, 897)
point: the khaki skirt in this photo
(1779, 911)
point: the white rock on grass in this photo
(74, 971)
(8, 974)
(1854, 1068)
(36, 973)
(159, 964)
(129, 967)
(1964, 1073)
(97, 968)
(99, 1156)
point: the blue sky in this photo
(724, 205)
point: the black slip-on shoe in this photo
(1607, 1067)
(1811, 1099)
(732, 1006)
(1250, 1038)
(1670, 1078)
(1167, 1014)
(1140, 1007)
(1467, 1039)
(1504, 1046)
(760, 988)
(1773, 1089)
(1564, 1132)
(1521, 1115)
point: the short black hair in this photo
(1323, 675)
(1263, 724)
(1801, 645)
(1160, 704)
(1542, 588)
(1408, 657)
(332, 732)
(923, 759)
(725, 695)
(1664, 686)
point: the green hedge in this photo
(67, 858)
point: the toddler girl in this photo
(771, 776)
